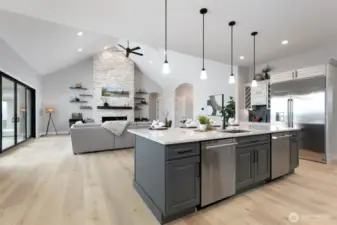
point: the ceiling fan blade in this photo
(136, 53)
(121, 47)
(134, 49)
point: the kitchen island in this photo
(179, 171)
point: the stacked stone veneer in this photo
(111, 68)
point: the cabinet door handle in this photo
(257, 156)
(219, 146)
(285, 136)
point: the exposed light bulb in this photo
(254, 83)
(231, 79)
(166, 68)
(80, 33)
(80, 50)
(203, 74)
(242, 57)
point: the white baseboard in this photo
(42, 134)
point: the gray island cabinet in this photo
(168, 165)
(168, 177)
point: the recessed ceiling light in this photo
(80, 50)
(242, 57)
(106, 47)
(80, 33)
(151, 62)
(285, 42)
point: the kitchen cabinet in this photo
(310, 72)
(281, 77)
(252, 161)
(182, 184)
(304, 73)
(262, 162)
(244, 167)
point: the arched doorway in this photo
(183, 103)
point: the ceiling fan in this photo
(129, 50)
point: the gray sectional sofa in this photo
(94, 138)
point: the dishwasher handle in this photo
(220, 146)
(281, 137)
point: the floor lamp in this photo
(50, 111)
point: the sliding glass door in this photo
(18, 112)
(21, 110)
(8, 113)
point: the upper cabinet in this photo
(310, 72)
(314, 71)
(281, 77)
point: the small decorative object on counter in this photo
(166, 113)
(228, 112)
(105, 101)
(78, 85)
(203, 123)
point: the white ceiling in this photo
(307, 24)
(47, 46)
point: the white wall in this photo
(57, 94)
(13, 65)
(146, 84)
(183, 103)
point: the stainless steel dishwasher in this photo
(280, 155)
(218, 176)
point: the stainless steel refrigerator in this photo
(301, 103)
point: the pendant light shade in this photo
(166, 66)
(203, 74)
(231, 77)
(254, 83)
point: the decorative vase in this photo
(106, 104)
(202, 127)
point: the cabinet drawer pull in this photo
(184, 151)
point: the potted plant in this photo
(203, 122)
(228, 111)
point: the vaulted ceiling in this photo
(307, 24)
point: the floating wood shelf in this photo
(85, 107)
(139, 98)
(73, 101)
(79, 88)
(85, 95)
(140, 103)
(141, 93)
(114, 107)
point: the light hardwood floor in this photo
(43, 183)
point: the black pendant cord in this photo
(254, 58)
(165, 30)
(203, 41)
(254, 52)
(232, 50)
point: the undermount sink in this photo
(235, 131)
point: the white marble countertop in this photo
(181, 135)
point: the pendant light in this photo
(231, 77)
(203, 75)
(254, 83)
(166, 66)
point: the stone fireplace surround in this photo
(111, 68)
